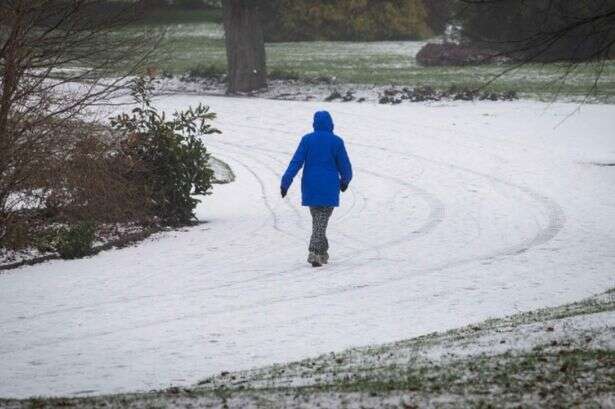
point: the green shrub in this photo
(45, 240)
(174, 158)
(350, 20)
(75, 241)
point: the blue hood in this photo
(323, 121)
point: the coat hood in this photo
(323, 121)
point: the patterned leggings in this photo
(320, 219)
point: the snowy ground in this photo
(458, 212)
(554, 357)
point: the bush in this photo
(92, 179)
(75, 241)
(350, 20)
(174, 158)
(80, 175)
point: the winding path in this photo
(457, 213)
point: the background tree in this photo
(345, 20)
(439, 14)
(245, 46)
(541, 30)
(571, 32)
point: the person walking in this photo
(326, 171)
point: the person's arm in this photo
(295, 164)
(344, 167)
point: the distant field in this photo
(188, 45)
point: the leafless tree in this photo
(58, 58)
(571, 32)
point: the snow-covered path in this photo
(458, 212)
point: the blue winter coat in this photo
(325, 164)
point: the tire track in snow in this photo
(555, 219)
(198, 290)
(294, 208)
(265, 197)
(435, 217)
(240, 150)
(555, 222)
(555, 215)
(332, 291)
(299, 222)
(122, 300)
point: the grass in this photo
(564, 378)
(568, 372)
(189, 45)
(513, 374)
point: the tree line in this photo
(525, 31)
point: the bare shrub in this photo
(56, 61)
(92, 179)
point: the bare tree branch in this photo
(39, 40)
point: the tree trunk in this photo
(245, 46)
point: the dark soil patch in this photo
(420, 94)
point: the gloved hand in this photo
(283, 192)
(343, 186)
